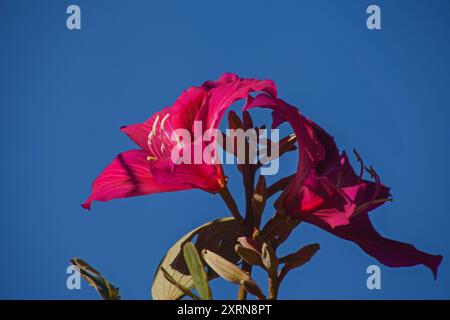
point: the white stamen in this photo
(149, 139)
(155, 123)
(163, 121)
(153, 132)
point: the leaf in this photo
(197, 271)
(105, 289)
(219, 235)
(179, 286)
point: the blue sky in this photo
(64, 95)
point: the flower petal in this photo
(391, 253)
(310, 150)
(207, 177)
(128, 175)
(138, 133)
(225, 91)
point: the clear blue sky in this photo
(64, 95)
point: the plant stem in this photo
(248, 176)
(231, 204)
(273, 287)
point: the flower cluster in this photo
(325, 190)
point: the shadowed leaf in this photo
(179, 286)
(219, 235)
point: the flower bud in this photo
(269, 259)
(250, 256)
(224, 268)
(253, 289)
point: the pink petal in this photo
(207, 177)
(128, 175)
(310, 150)
(138, 133)
(225, 91)
(389, 252)
(206, 103)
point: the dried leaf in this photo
(179, 286)
(105, 289)
(219, 235)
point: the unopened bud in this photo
(302, 256)
(250, 256)
(269, 259)
(224, 268)
(253, 289)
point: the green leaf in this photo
(197, 271)
(105, 289)
(218, 235)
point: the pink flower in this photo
(328, 193)
(150, 168)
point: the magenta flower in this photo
(324, 191)
(328, 193)
(150, 168)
